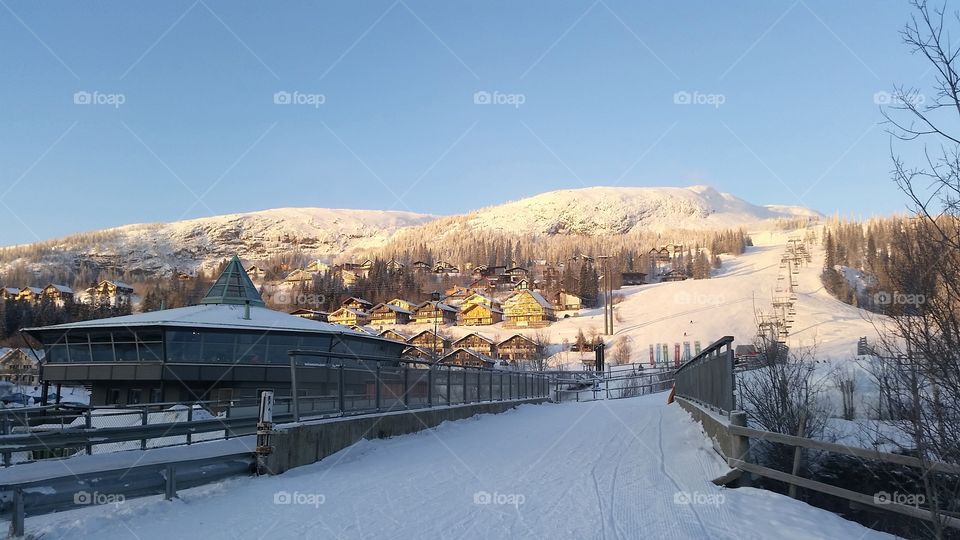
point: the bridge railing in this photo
(708, 378)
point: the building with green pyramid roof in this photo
(229, 346)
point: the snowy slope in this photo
(188, 245)
(630, 468)
(621, 210)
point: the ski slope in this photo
(629, 468)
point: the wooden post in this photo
(19, 515)
(740, 444)
(798, 453)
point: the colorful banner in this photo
(696, 347)
(652, 364)
(658, 354)
(686, 351)
(676, 354)
(666, 354)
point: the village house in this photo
(256, 272)
(403, 304)
(312, 314)
(349, 317)
(418, 353)
(633, 278)
(435, 313)
(420, 266)
(112, 293)
(317, 267)
(30, 294)
(456, 294)
(10, 293)
(521, 285)
(443, 267)
(660, 255)
(394, 265)
(480, 314)
(566, 301)
(382, 314)
(517, 273)
(476, 342)
(60, 295)
(478, 298)
(357, 303)
(467, 358)
(528, 309)
(394, 335)
(299, 276)
(519, 348)
(20, 366)
(430, 341)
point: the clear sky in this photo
(185, 119)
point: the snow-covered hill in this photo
(191, 244)
(328, 233)
(621, 210)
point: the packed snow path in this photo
(629, 468)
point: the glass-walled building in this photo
(229, 346)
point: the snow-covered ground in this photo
(628, 468)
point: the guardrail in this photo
(364, 387)
(708, 378)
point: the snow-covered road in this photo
(629, 468)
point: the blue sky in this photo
(585, 95)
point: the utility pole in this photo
(606, 286)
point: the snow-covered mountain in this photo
(326, 233)
(619, 210)
(191, 244)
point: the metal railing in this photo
(708, 377)
(51, 432)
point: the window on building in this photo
(113, 396)
(134, 396)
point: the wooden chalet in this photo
(30, 294)
(317, 267)
(10, 293)
(312, 314)
(21, 366)
(661, 254)
(430, 341)
(467, 358)
(420, 266)
(388, 314)
(357, 303)
(478, 298)
(394, 335)
(517, 273)
(58, 294)
(349, 316)
(457, 294)
(299, 275)
(476, 342)
(394, 265)
(519, 347)
(528, 309)
(443, 267)
(256, 272)
(435, 313)
(633, 278)
(567, 301)
(418, 353)
(480, 314)
(403, 304)
(522, 285)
